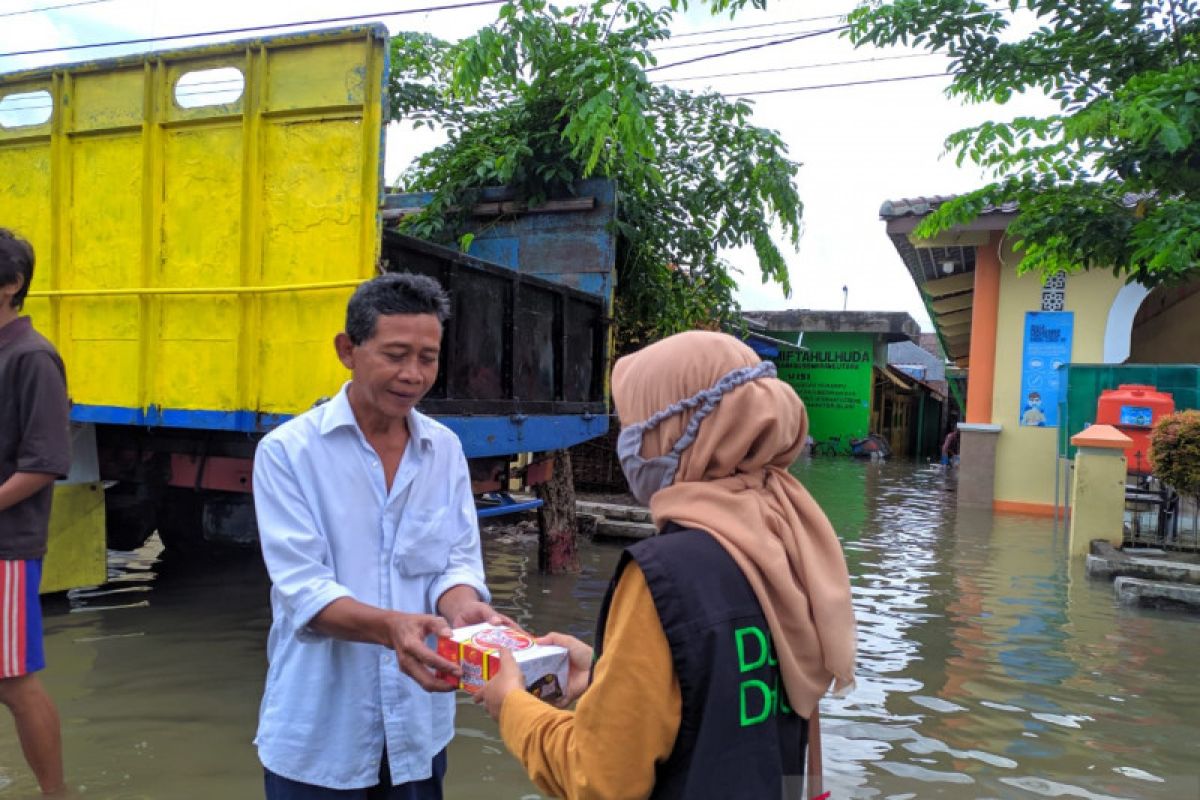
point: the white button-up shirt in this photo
(330, 528)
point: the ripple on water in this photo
(1011, 659)
(987, 666)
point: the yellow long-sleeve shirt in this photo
(623, 726)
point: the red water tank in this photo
(1133, 409)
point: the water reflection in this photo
(988, 666)
(992, 669)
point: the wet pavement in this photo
(989, 667)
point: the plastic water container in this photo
(1133, 409)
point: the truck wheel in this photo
(207, 522)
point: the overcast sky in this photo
(859, 145)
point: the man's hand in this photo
(461, 605)
(508, 680)
(579, 671)
(406, 636)
(477, 612)
(348, 619)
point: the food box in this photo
(476, 649)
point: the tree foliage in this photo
(1112, 179)
(548, 95)
(1175, 452)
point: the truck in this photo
(200, 218)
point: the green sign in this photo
(833, 376)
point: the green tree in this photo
(549, 95)
(1175, 455)
(1112, 180)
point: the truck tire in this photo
(207, 523)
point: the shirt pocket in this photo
(423, 545)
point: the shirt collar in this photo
(339, 414)
(14, 330)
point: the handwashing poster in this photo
(1047, 347)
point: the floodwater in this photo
(988, 667)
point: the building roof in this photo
(765, 346)
(943, 268)
(922, 206)
(930, 343)
(892, 326)
(906, 354)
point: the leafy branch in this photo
(1113, 180)
(547, 96)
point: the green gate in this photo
(1081, 387)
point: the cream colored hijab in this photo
(733, 482)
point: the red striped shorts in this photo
(21, 649)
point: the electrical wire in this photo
(256, 28)
(723, 53)
(799, 66)
(751, 27)
(787, 90)
(867, 82)
(756, 37)
(474, 3)
(53, 8)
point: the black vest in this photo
(738, 739)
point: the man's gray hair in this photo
(393, 293)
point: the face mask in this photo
(647, 475)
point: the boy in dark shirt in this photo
(34, 451)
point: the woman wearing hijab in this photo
(719, 636)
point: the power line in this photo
(54, 8)
(257, 28)
(805, 35)
(836, 85)
(758, 25)
(192, 91)
(725, 41)
(787, 90)
(800, 66)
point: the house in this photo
(843, 374)
(1020, 339)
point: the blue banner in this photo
(1047, 347)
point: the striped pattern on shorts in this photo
(21, 649)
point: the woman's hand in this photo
(579, 675)
(508, 679)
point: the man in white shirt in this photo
(368, 530)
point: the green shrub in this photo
(1175, 452)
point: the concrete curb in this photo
(1156, 594)
(618, 522)
(614, 511)
(1151, 569)
(610, 521)
(1106, 561)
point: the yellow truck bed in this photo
(193, 260)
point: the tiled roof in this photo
(920, 206)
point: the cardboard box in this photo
(476, 649)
